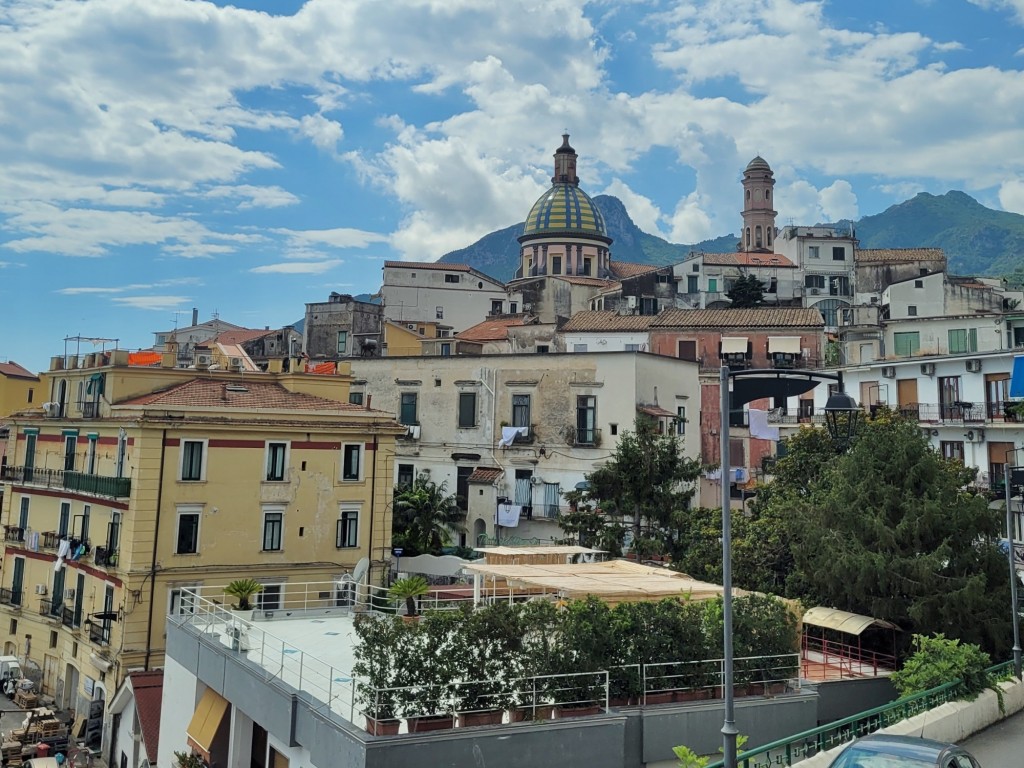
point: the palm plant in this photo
(243, 589)
(425, 515)
(409, 589)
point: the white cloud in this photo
(152, 302)
(324, 133)
(86, 290)
(1016, 6)
(298, 267)
(690, 222)
(340, 237)
(838, 201)
(254, 197)
(1011, 195)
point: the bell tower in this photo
(758, 214)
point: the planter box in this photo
(432, 723)
(659, 697)
(698, 694)
(387, 727)
(488, 717)
(564, 713)
(525, 714)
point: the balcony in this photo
(579, 437)
(45, 606)
(14, 534)
(67, 618)
(958, 412)
(99, 633)
(97, 485)
(49, 540)
(10, 596)
(105, 557)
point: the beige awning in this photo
(209, 714)
(789, 345)
(843, 621)
(734, 345)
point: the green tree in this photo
(647, 479)
(889, 529)
(747, 291)
(424, 516)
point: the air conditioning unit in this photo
(975, 435)
(235, 363)
(535, 480)
(631, 302)
(40, 589)
(889, 372)
(203, 361)
(973, 366)
(69, 594)
(928, 369)
(814, 291)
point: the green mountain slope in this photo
(976, 239)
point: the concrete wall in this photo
(951, 722)
(842, 698)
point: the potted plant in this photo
(533, 698)
(243, 590)
(429, 663)
(588, 647)
(408, 589)
(765, 643)
(376, 669)
(492, 644)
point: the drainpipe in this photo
(373, 497)
(156, 539)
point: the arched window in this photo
(748, 237)
(767, 194)
(769, 236)
(757, 235)
(748, 194)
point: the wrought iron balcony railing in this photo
(99, 633)
(14, 534)
(10, 596)
(67, 618)
(105, 557)
(98, 485)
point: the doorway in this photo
(94, 724)
(70, 688)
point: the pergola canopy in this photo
(844, 621)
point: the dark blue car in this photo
(883, 751)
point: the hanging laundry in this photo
(63, 549)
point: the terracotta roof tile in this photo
(872, 255)
(148, 689)
(759, 317)
(244, 393)
(594, 282)
(747, 260)
(427, 265)
(241, 336)
(592, 320)
(492, 329)
(622, 269)
(15, 371)
(656, 411)
(485, 475)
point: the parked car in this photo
(881, 750)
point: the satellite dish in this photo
(361, 569)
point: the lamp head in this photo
(841, 417)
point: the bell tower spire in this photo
(758, 214)
(565, 164)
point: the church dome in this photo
(565, 208)
(758, 164)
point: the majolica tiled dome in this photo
(565, 208)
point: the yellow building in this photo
(406, 339)
(156, 478)
(19, 388)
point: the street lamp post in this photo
(841, 412)
(1011, 554)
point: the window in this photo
(680, 419)
(356, 398)
(814, 281)
(696, 267)
(57, 601)
(813, 252)
(712, 285)
(30, 451)
(65, 518)
(556, 265)
(579, 347)
(182, 602)
(273, 522)
(351, 461)
(270, 598)
(348, 528)
(406, 475)
(31, 394)
(687, 350)
(462, 487)
(86, 514)
(919, 283)
(407, 412)
(90, 454)
(122, 453)
(952, 450)
(664, 278)
(648, 306)
(542, 349)
(495, 306)
(587, 267)
(911, 310)
(586, 419)
(632, 347)
(520, 410)
(439, 313)
(192, 463)
(467, 410)
(691, 284)
(446, 349)
(963, 340)
(70, 441)
(342, 342)
(513, 308)
(277, 455)
(838, 253)
(23, 515)
(53, 638)
(114, 532)
(188, 532)
(451, 278)
(906, 344)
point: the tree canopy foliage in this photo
(647, 482)
(746, 291)
(424, 516)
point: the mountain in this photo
(976, 239)
(497, 254)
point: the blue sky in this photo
(247, 158)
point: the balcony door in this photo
(949, 397)
(997, 393)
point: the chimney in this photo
(195, 316)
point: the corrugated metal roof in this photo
(843, 621)
(758, 317)
(593, 320)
